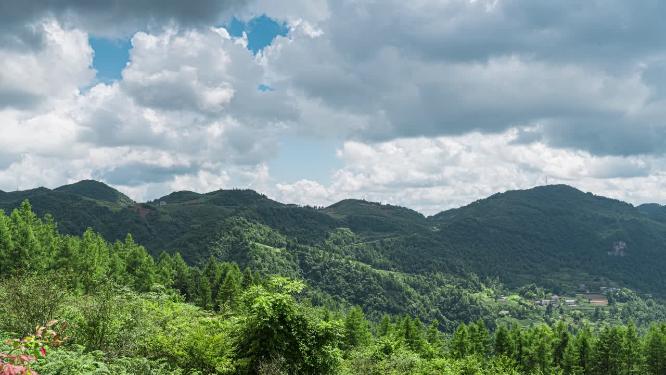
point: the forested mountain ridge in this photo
(112, 308)
(554, 235)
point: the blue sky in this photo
(112, 54)
(299, 157)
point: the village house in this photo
(597, 299)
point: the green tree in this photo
(6, 244)
(503, 345)
(632, 351)
(539, 349)
(608, 351)
(655, 350)
(357, 329)
(479, 338)
(461, 345)
(570, 364)
(561, 341)
(277, 330)
(230, 289)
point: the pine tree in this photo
(435, 337)
(165, 270)
(203, 296)
(384, 328)
(608, 352)
(480, 338)
(519, 346)
(503, 345)
(413, 334)
(461, 345)
(585, 350)
(539, 353)
(182, 280)
(213, 271)
(248, 278)
(561, 340)
(25, 241)
(655, 350)
(570, 364)
(229, 290)
(357, 329)
(632, 351)
(6, 243)
(140, 265)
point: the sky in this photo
(429, 104)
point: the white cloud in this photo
(432, 174)
(54, 73)
(438, 103)
(187, 112)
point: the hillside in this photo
(97, 191)
(554, 236)
(557, 235)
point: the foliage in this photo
(129, 313)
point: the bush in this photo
(30, 301)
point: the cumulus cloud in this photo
(435, 68)
(433, 174)
(437, 103)
(20, 20)
(55, 72)
(182, 112)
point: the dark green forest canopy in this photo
(555, 234)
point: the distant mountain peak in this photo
(96, 190)
(362, 207)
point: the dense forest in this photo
(82, 305)
(555, 234)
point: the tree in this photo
(539, 349)
(655, 350)
(182, 280)
(561, 340)
(570, 364)
(357, 329)
(6, 244)
(229, 290)
(503, 345)
(26, 246)
(632, 351)
(584, 350)
(203, 292)
(166, 272)
(608, 352)
(140, 265)
(461, 345)
(479, 338)
(275, 329)
(248, 278)
(384, 327)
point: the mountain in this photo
(96, 191)
(370, 218)
(654, 211)
(555, 236)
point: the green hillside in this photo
(82, 305)
(554, 236)
(97, 191)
